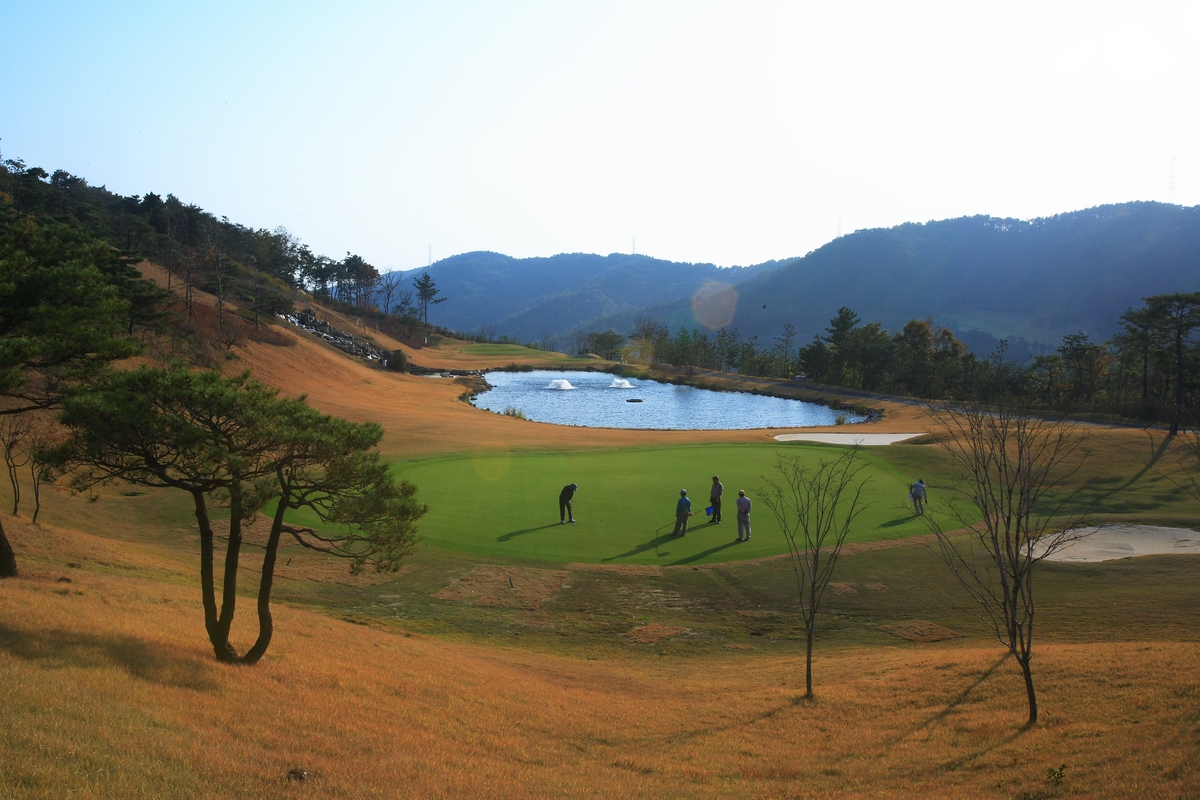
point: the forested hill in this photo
(1039, 279)
(527, 297)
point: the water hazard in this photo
(601, 400)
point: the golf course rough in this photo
(507, 503)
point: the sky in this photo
(722, 132)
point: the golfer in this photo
(683, 510)
(564, 503)
(714, 499)
(917, 493)
(743, 516)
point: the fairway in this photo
(507, 504)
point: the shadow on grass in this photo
(899, 521)
(1105, 489)
(954, 703)
(514, 534)
(706, 553)
(142, 660)
(641, 548)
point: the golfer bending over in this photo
(743, 515)
(564, 503)
(917, 493)
(683, 510)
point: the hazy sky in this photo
(725, 132)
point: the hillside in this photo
(526, 297)
(1039, 279)
(570, 679)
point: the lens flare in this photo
(714, 303)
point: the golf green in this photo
(507, 504)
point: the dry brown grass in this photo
(506, 586)
(654, 632)
(109, 692)
(107, 689)
(642, 570)
(919, 630)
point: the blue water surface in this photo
(598, 400)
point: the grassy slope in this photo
(110, 692)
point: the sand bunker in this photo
(864, 439)
(1111, 542)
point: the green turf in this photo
(508, 504)
(497, 350)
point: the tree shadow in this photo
(513, 534)
(899, 521)
(1156, 455)
(704, 554)
(146, 661)
(641, 548)
(954, 703)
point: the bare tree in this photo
(579, 340)
(645, 328)
(815, 508)
(14, 433)
(1015, 471)
(230, 331)
(645, 333)
(44, 435)
(388, 287)
(404, 306)
(487, 332)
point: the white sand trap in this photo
(1126, 541)
(864, 439)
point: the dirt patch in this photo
(333, 570)
(843, 588)
(650, 570)
(508, 587)
(739, 647)
(875, 587)
(919, 630)
(758, 614)
(654, 632)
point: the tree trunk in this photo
(809, 630)
(229, 582)
(8, 559)
(208, 593)
(1029, 692)
(266, 625)
(1175, 418)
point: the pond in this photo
(602, 400)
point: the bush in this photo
(395, 360)
(516, 413)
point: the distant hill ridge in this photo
(524, 297)
(985, 277)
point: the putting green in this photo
(508, 504)
(497, 350)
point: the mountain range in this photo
(984, 277)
